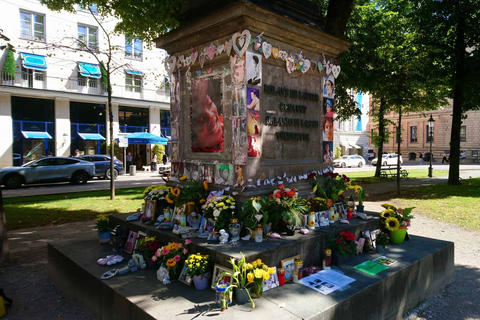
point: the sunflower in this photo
(389, 206)
(387, 213)
(183, 178)
(171, 263)
(392, 224)
(176, 192)
(168, 199)
(205, 184)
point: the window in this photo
(87, 81)
(133, 48)
(30, 75)
(87, 37)
(32, 26)
(83, 7)
(428, 134)
(133, 83)
(413, 134)
(463, 133)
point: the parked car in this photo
(102, 165)
(164, 169)
(388, 160)
(349, 161)
(49, 169)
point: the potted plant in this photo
(254, 212)
(361, 196)
(382, 240)
(159, 194)
(148, 246)
(396, 221)
(257, 272)
(197, 269)
(220, 210)
(330, 186)
(171, 256)
(343, 247)
(103, 228)
(285, 209)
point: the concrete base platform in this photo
(424, 266)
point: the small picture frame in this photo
(272, 282)
(130, 244)
(217, 271)
(340, 209)
(184, 277)
(140, 235)
(289, 266)
(150, 207)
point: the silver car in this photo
(49, 169)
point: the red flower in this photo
(281, 186)
(291, 193)
(270, 195)
(278, 195)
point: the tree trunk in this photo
(112, 147)
(381, 136)
(4, 249)
(338, 14)
(454, 171)
(399, 142)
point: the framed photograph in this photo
(289, 266)
(150, 207)
(340, 209)
(253, 123)
(254, 68)
(130, 244)
(318, 215)
(140, 236)
(217, 271)
(272, 282)
(253, 101)
(184, 277)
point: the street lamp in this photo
(431, 124)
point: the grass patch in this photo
(367, 177)
(452, 204)
(27, 212)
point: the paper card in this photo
(370, 267)
(385, 261)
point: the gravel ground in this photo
(25, 277)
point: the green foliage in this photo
(9, 68)
(159, 150)
(250, 208)
(117, 151)
(338, 152)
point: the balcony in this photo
(83, 85)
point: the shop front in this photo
(131, 120)
(88, 128)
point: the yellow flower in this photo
(271, 270)
(265, 267)
(340, 192)
(259, 262)
(250, 277)
(266, 276)
(249, 266)
(258, 273)
(171, 263)
(392, 224)
(387, 213)
(312, 223)
(389, 206)
(183, 178)
(254, 264)
(198, 264)
(202, 201)
(176, 192)
(168, 199)
(205, 184)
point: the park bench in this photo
(391, 172)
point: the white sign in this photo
(123, 142)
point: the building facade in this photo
(352, 136)
(55, 101)
(416, 139)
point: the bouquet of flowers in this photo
(394, 218)
(285, 207)
(197, 264)
(317, 204)
(188, 190)
(220, 209)
(171, 255)
(154, 187)
(330, 185)
(147, 246)
(382, 239)
(161, 196)
(257, 272)
(102, 224)
(344, 244)
(254, 212)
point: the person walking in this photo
(164, 159)
(420, 158)
(128, 159)
(445, 158)
(154, 162)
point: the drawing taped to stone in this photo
(224, 174)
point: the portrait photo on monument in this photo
(224, 174)
(253, 99)
(329, 87)
(254, 146)
(254, 69)
(328, 107)
(327, 128)
(207, 116)
(253, 123)
(327, 151)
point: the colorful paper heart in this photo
(328, 68)
(199, 72)
(290, 64)
(283, 55)
(194, 56)
(187, 61)
(220, 49)
(319, 66)
(202, 56)
(306, 65)
(267, 49)
(228, 47)
(211, 50)
(209, 70)
(170, 64)
(227, 71)
(275, 52)
(336, 71)
(246, 36)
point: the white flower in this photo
(232, 207)
(216, 213)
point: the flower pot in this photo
(104, 237)
(339, 260)
(398, 236)
(256, 289)
(360, 208)
(150, 264)
(241, 295)
(201, 282)
(380, 249)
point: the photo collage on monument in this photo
(239, 111)
(254, 82)
(328, 116)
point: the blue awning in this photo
(91, 136)
(89, 70)
(145, 138)
(135, 73)
(34, 61)
(36, 135)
